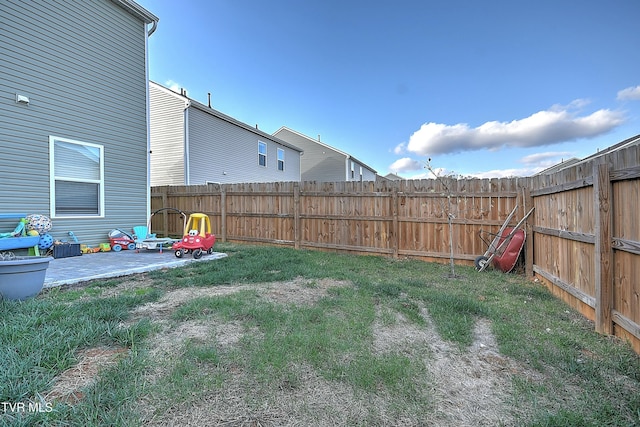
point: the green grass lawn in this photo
(239, 345)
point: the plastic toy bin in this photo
(65, 250)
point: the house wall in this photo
(167, 135)
(323, 163)
(367, 174)
(83, 66)
(223, 152)
(318, 163)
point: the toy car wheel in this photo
(210, 251)
(131, 246)
(116, 248)
(197, 253)
(179, 253)
(481, 262)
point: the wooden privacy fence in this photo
(397, 218)
(583, 236)
(586, 239)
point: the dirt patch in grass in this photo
(466, 388)
(68, 386)
(472, 387)
(300, 290)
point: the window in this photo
(353, 172)
(360, 173)
(262, 153)
(77, 178)
(280, 159)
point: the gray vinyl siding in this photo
(367, 174)
(323, 163)
(167, 136)
(82, 65)
(223, 152)
(319, 162)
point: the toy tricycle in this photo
(197, 237)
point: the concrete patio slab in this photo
(102, 265)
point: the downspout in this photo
(346, 167)
(148, 108)
(187, 174)
(154, 25)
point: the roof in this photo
(347, 155)
(136, 10)
(574, 161)
(558, 166)
(393, 177)
(626, 143)
(205, 108)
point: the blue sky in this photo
(483, 88)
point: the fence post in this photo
(603, 248)
(528, 250)
(394, 225)
(165, 216)
(296, 215)
(223, 213)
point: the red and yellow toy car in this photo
(197, 237)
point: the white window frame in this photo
(360, 173)
(55, 175)
(261, 154)
(280, 159)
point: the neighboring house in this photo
(73, 114)
(634, 140)
(563, 164)
(324, 163)
(393, 177)
(191, 143)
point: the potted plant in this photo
(21, 277)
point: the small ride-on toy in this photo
(197, 237)
(120, 240)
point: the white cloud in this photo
(422, 175)
(630, 93)
(405, 164)
(507, 173)
(545, 157)
(400, 148)
(555, 125)
(495, 173)
(174, 86)
(436, 172)
(533, 163)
